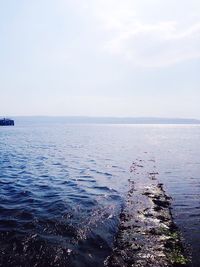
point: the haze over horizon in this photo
(103, 120)
(100, 58)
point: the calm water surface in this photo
(62, 187)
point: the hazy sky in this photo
(100, 57)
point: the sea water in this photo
(63, 186)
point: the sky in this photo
(124, 58)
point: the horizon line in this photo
(104, 117)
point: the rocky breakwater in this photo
(147, 235)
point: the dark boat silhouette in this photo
(6, 122)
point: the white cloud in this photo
(153, 43)
(156, 45)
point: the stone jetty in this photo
(147, 235)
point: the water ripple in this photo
(62, 188)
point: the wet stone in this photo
(147, 235)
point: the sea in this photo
(63, 186)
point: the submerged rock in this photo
(147, 235)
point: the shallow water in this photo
(62, 187)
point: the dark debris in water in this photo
(147, 235)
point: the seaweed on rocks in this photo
(147, 235)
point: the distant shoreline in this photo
(107, 120)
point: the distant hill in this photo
(108, 120)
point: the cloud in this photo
(156, 45)
(146, 42)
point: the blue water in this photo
(62, 187)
